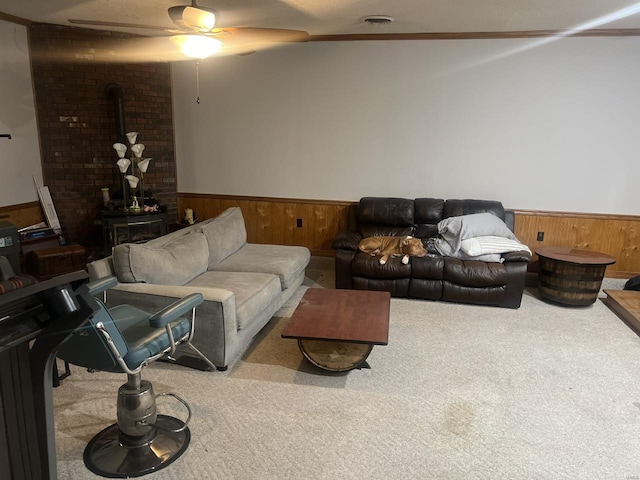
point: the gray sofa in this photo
(243, 284)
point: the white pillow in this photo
(490, 244)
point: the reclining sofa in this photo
(243, 284)
(434, 277)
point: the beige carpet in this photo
(460, 392)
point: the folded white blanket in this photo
(490, 244)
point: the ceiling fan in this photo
(196, 36)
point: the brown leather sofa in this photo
(433, 277)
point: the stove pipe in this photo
(114, 92)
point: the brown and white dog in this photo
(393, 247)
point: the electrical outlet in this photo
(299, 222)
(540, 236)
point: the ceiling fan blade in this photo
(151, 49)
(259, 35)
(100, 23)
(235, 40)
(120, 50)
(247, 40)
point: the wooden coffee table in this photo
(337, 329)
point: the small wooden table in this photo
(569, 276)
(337, 329)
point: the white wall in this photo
(553, 127)
(20, 156)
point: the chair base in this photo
(105, 456)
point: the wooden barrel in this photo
(567, 283)
(334, 356)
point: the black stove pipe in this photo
(115, 92)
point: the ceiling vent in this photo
(377, 19)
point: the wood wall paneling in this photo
(22, 215)
(616, 235)
(273, 220)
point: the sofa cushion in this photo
(364, 265)
(172, 263)
(398, 212)
(429, 211)
(287, 262)
(456, 208)
(427, 268)
(473, 273)
(225, 234)
(253, 291)
(385, 216)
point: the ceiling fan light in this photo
(199, 19)
(197, 46)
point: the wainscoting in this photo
(273, 220)
(23, 214)
(616, 235)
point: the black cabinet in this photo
(121, 227)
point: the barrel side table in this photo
(569, 276)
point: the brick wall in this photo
(77, 124)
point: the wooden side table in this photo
(569, 276)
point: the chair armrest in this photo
(347, 240)
(101, 285)
(519, 256)
(175, 310)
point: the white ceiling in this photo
(334, 17)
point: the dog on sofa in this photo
(393, 247)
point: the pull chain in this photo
(198, 82)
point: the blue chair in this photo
(124, 339)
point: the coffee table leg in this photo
(335, 356)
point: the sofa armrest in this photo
(101, 268)
(343, 275)
(347, 240)
(519, 256)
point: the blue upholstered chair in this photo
(124, 339)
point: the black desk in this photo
(34, 321)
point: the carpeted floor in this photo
(460, 392)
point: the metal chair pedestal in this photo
(142, 441)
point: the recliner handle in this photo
(175, 310)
